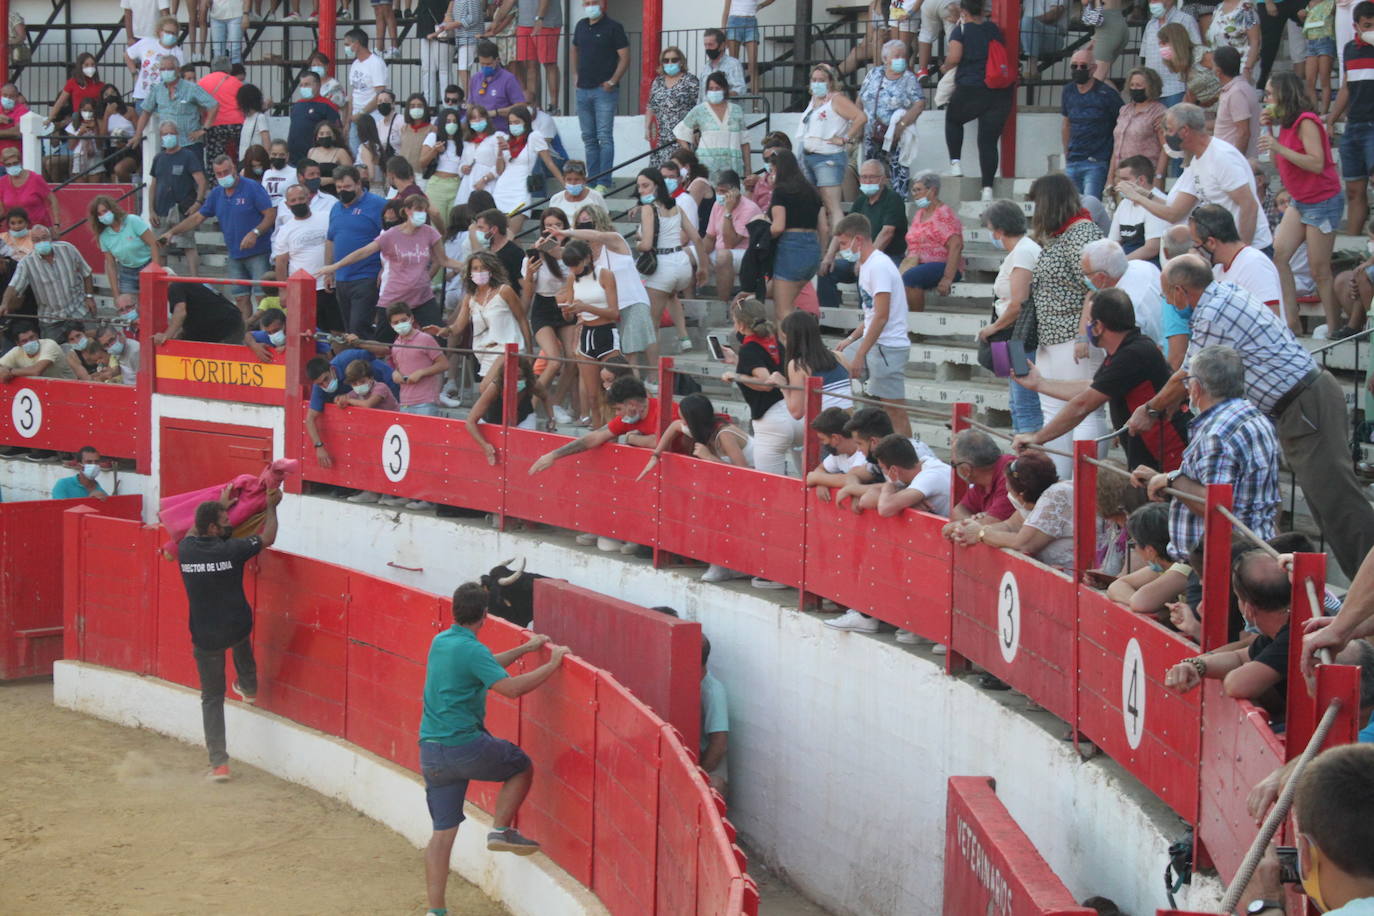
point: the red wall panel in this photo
(625, 835)
(681, 807)
(66, 415)
(196, 455)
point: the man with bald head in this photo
(1089, 108)
(1304, 401)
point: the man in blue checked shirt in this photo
(1303, 400)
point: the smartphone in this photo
(713, 342)
(1020, 366)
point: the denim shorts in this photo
(824, 170)
(448, 769)
(1357, 152)
(128, 278)
(249, 268)
(743, 29)
(1324, 215)
(1321, 47)
(927, 275)
(421, 410)
(796, 256)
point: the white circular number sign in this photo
(1133, 693)
(395, 453)
(27, 413)
(1008, 617)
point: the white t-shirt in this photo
(389, 134)
(879, 275)
(276, 181)
(1023, 254)
(146, 15)
(302, 241)
(364, 78)
(545, 124)
(1254, 273)
(843, 464)
(146, 52)
(250, 133)
(933, 479)
(1220, 169)
(570, 207)
(128, 362)
(447, 160)
(1141, 283)
(320, 203)
(1133, 223)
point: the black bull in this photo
(510, 592)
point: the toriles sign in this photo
(218, 371)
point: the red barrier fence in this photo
(62, 415)
(31, 579)
(619, 802)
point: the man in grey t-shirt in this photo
(537, 33)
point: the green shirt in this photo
(459, 671)
(888, 211)
(715, 712)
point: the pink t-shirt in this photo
(927, 238)
(407, 266)
(10, 119)
(745, 210)
(32, 195)
(417, 352)
(224, 88)
(388, 401)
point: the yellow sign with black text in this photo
(221, 371)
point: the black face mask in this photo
(325, 142)
(302, 211)
(1137, 95)
(713, 53)
(311, 184)
(1174, 141)
(346, 197)
(1081, 76)
(384, 108)
(279, 163)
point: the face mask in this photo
(847, 254)
(106, 218)
(168, 40)
(115, 348)
(92, 471)
(14, 171)
(999, 244)
(402, 328)
(1311, 877)
(573, 189)
(715, 96)
(307, 92)
(384, 108)
(300, 211)
(713, 53)
(921, 203)
(42, 249)
(311, 184)
(416, 113)
(30, 347)
(346, 197)
(23, 233)
(488, 70)
(226, 181)
(350, 52)
(130, 316)
(1367, 37)
(1174, 141)
(593, 11)
(168, 76)
(258, 170)
(452, 103)
(477, 126)
(362, 389)
(868, 190)
(81, 344)
(672, 184)
(647, 198)
(278, 162)
(1081, 77)
(484, 239)
(331, 386)
(88, 71)
(276, 338)
(517, 129)
(325, 142)
(1137, 95)
(419, 218)
(632, 419)
(1093, 336)
(819, 88)
(7, 102)
(481, 277)
(898, 65)
(672, 69)
(1157, 10)
(1088, 282)
(225, 534)
(88, 115)
(1166, 52)
(319, 71)
(451, 128)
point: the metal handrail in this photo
(125, 196)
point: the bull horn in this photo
(506, 563)
(511, 579)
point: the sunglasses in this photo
(1080, 67)
(672, 60)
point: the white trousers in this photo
(1057, 362)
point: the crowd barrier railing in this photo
(619, 802)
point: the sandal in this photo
(550, 425)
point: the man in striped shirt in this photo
(61, 280)
(1282, 380)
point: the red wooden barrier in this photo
(991, 866)
(62, 415)
(31, 553)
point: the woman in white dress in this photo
(495, 310)
(675, 231)
(480, 152)
(518, 154)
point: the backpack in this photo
(998, 73)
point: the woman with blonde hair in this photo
(830, 125)
(127, 241)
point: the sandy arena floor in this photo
(97, 818)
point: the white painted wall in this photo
(23, 480)
(528, 886)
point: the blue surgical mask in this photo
(921, 203)
(307, 92)
(647, 198)
(168, 40)
(898, 65)
(169, 141)
(477, 126)
(820, 88)
(42, 248)
(632, 419)
(318, 71)
(31, 347)
(226, 181)
(91, 471)
(517, 129)
(1088, 282)
(168, 76)
(276, 338)
(868, 190)
(451, 128)
(362, 389)
(672, 184)
(488, 70)
(720, 200)
(106, 218)
(847, 254)
(7, 102)
(402, 328)
(593, 10)
(14, 171)
(419, 218)
(19, 233)
(999, 244)
(130, 316)
(115, 348)
(573, 188)
(672, 69)
(331, 387)
(81, 344)
(1156, 11)
(715, 96)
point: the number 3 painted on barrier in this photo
(1008, 617)
(395, 453)
(27, 413)
(1133, 693)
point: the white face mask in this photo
(88, 71)
(91, 471)
(362, 389)
(1367, 37)
(481, 277)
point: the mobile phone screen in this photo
(713, 342)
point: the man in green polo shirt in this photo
(455, 746)
(886, 212)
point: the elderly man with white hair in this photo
(1089, 108)
(1105, 265)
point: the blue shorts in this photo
(1324, 215)
(743, 29)
(824, 170)
(1357, 152)
(249, 268)
(448, 769)
(927, 276)
(1321, 47)
(796, 256)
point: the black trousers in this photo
(1271, 33)
(991, 108)
(210, 666)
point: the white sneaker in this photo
(765, 583)
(939, 649)
(629, 548)
(684, 344)
(854, 621)
(716, 573)
(987, 194)
(394, 500)
(366, 496)
(450, 403)
(561, 415)
(609, 545)
(955, 169)
(906, 637)
(651, 387)
(586, 539)
(419, 504)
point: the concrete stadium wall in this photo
(379, 789)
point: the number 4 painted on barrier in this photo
(1133, 693)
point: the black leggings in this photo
(991, 107)
(1271, 33)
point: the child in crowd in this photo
(842, 453)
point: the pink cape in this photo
(249, 497)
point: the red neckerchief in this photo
(516, 145)
(681, 189)
(769, 344)
(1080, 215)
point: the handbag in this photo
(992, 350)
(647, 261)
(1026, 327)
